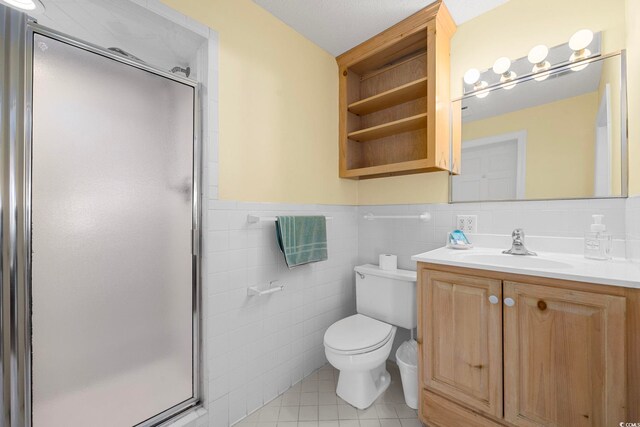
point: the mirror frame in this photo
(624, 135)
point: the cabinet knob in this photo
(509, 302)
(494, 299)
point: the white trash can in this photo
(407, 359)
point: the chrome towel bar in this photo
(252, 219)
(426, 216)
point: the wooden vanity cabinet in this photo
(543, 352)
(464, 339)
(564, 360)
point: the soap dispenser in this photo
(597, 242)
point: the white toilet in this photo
(359, 345)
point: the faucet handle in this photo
(517, 246)
(518, 233)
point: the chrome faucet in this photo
(517, 247)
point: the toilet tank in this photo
(386, 295)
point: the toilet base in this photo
(362, 388)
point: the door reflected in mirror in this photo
(558, 138)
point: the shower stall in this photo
(100, 174)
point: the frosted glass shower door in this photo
(112, 217)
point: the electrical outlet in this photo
(467, 223)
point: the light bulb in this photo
(580, 66)
(538, 54)
(479, 86)
(577, 56)
(21, 4)
(542, 76)
(578, 43)
(501, 66)
(539, 68)
(507, 77)
(471, 76)
(33, 6)
(580, 40)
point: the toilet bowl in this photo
(358, 346)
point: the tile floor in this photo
(313, 403)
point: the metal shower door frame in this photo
(15, 228)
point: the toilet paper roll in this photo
(388, 262)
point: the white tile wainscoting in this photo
(555, 226)
(258, 347)
(549, 226)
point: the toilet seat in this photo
(357, 334)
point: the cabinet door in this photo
(461, 335)
(564, 357)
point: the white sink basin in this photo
(615, 272)
(521, 261)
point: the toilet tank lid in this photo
(374, 270)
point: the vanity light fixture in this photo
(472, 77)
(31, 6)
(483, 93)
(538, 57)
(501, 67)
(578, 43)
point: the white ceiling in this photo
(339, 25)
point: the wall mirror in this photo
(560, 134)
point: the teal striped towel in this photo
(302, 239)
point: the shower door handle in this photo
(195, 242)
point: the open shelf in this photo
(401, 168)
(399, 95)
(399, 126)
(394, 103)
(413, 41)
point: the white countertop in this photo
(615, 272)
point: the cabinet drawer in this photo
(440, 412)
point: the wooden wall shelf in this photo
(398, 126)
(405, 93)
(391, 169)
(395, 107)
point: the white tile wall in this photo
(633, 228)
(543, 222)
(556, 226)
(258, 347)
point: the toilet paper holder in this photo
(257, 291)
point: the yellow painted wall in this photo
(421, 188)
(278, 115)
(278, 95)
(633, 90)
(560, 144)
(511, 30)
